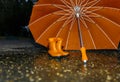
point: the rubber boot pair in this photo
(55, 47)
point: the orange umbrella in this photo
(93, 24)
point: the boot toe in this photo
(54, 54)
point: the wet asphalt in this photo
(21, 60)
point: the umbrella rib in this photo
(38, 5)
(72, 3)
(55, 5)
(42, 17)
(66, 3)
(108, 20)
(96, 15)
(89, 19)
(106, 36)
(49, 5)
(82, 9)
(65, 23)
(105, 33)
(47, 29)
(39, 19)
(68, 36)
(84, 23)
(62, 18)
(62, 13)
(79, 1)
(92, 39)
(94, 2)
(59, 6)
(112, 8)
(80, 4)
(76, 2)
(97, 9)
(91, 5)
(86, 3)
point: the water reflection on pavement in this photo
(102, 67)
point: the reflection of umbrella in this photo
(94, 24)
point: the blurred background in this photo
(14, 17)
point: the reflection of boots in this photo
(52, 48)
(59, 47)
(84, 56)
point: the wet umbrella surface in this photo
(103, 66)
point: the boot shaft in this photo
(59, 44)
(52, 44)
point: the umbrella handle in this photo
(84, 55)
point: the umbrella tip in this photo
(84, 61)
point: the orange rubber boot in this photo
(52, 48)
(84, 56)
(59, 47)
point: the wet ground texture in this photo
(22, 61)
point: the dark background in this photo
(14, 17)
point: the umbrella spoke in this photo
(72, 3)
(62, 18)
(81, 2)
(85, 4)
(65, 23)
(62, 12)
(94, 15)
(108, 20)
(84, 23)
(68, 20)
(66, 3)
(91, 38)
(42, 17)
(94, 2)
(47, 29)
(88, 19)
(93, 10)
(104, 31)
(91, 5)
(38, 5)
(106, 36)
(76, 2)
(62, 7)
(68, 36)
(56, 5)
(112, 8)
(39, 19)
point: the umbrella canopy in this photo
(94, 24)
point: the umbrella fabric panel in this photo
(110, 30)
(112, 14)
(73, 38)
(40, 11)
(109, 3)
(100, 39)
(87, 37)
(37, 27)
(51, 31)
